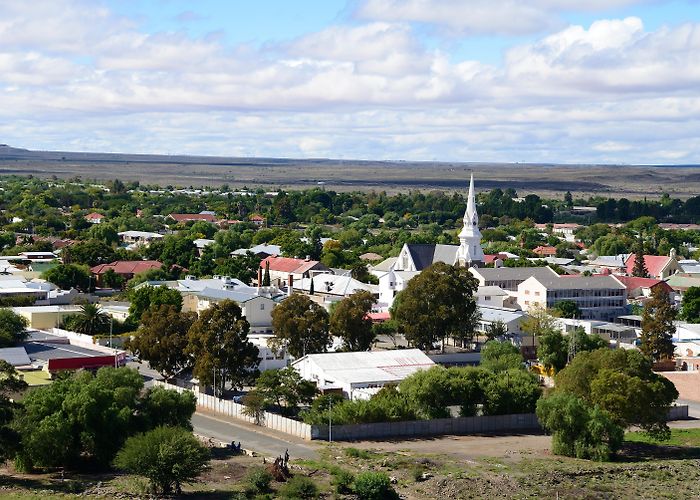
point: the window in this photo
(262, 307)
(537, 294)
(487, 297)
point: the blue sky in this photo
(605, 81)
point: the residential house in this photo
(495, 296)
(127, 269)
(333, 287)
(508, 278)
(680, 283)
(598, 297)
(201, 244)
(94, 218)
(616, 264)
(391, 283)
(284, 269)
(546, 251)
(261, 251)
(658, 266)
(640, 289)
(511, 318)
(134, 239)
(360, 374)
(257, 219)
(206, 217)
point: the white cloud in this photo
(370, 90)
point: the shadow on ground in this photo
(643, 452)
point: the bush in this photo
(167, 456)
(259, 479)
(374, 486)
(342, 481)
(357, 453)
(300, 487)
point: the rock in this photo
(393, 480)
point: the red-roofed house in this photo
(546, 251)
(639, 288)
(94, 218)
(125, 268)
(193, 217)
(258, 220)
(658, 266)
(490, 258)
(281, 268)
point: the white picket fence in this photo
(230, 409)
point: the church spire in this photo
(469, 252)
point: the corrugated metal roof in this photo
(16, 356)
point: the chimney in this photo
(308, 258)
(260, 276)
(290, 284)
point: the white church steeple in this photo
(470, 252)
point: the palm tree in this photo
(91, 320)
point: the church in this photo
(416, 257)
(395, 273)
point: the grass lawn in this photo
(679, 437)
(36, 377)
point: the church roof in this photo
(424, 255)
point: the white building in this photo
(135, 239)
(509, 317)
(495, 296)
(598, 297)
(358, 374)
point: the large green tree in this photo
(622, 383)
(690, 310)
(657, 326)
(91, 320)
(67, 276)
(13, 328)
(148, 296)
(162, 339)
(10, 385)
(567, 309)
(301, 326)
(218, 342)
(285, 389)
(499, 356)
(350, 321)
(437, 304)
(167, 456)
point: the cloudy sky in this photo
(613, 81)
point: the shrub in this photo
(374, 486)
(167, 456)
(357, 453)
(300, 487)
(259, 479)
(342, 481)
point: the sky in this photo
(560, 81)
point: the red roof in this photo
(257, 217)
(634, 282)
(489, 258)
(381, 316)
(127, 266)
(653, 263)
(190, 217)
(288, 265)
(94, 216)
(542, 250)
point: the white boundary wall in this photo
(235, 410)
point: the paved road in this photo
(269, 443)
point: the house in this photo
(641, 288)
(258, 220)
(391, 283)
(282, 269)
(37, 292)
(135, 239)
(546, 251)
(680, 283)
(359, 374)
(614, 263)
(256, 303)
(46, 317)
(201, 244)
(658, 266)
(38, 256)
(509, 317)
(333, 287)
(370, 257)
(598, 297)
(494, 296)
(261, 251)
(127, 269)
(180, 218)
(94, 218)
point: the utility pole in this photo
(330, 422)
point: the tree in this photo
(218, 343)
(13, 328)
(285, 388)
(360, 272)
(429, 392)
(640, 268)
(10, 384)
(552, 350)
(567, 309)
(500, 356)
(436, 304)
(79, 419)
(511, 391)
(538, 323)
(89, 252)
(690, 310)
(578, 430)
(160, 406)
(657, 326)
(91, 320)
(301, 326)
(148, 296)
(167, 456)
(162, 339)
(622, 383)
(350, 321)
(266, 276)
(111, 279)
(496, 330)
(67, 276)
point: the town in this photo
(133, 313)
